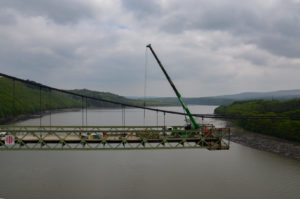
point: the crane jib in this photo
(195, 125)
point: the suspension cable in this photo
(164, 119)
(157, 118)
(40, 106)
(14, 97)
(82, 112)
(86, 113)
(145, 82)
(123, 115)
(148, 108)
(50, 106)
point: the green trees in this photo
(287, 129)
(24, 99)
(17, 99)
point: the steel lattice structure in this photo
(113, 137)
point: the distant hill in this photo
(283, 94)
(115, 98)
(194, 101)
(105, 96)
(228, 99)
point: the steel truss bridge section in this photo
(112, 137)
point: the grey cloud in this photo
(60, 11)
(208, 47)
(142, 8)
(279, 45)
(268, 27)
(7, 18)
(227, 16)
(254, 59)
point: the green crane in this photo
(195, 125)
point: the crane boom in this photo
(195, 124)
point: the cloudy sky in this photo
(209, 47)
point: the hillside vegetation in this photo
(25, 100)
(287, 129)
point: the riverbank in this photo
(264, 142)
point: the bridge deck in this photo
(100, 138)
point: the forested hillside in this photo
(287, 129)
(27, 99)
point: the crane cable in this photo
(145, 82)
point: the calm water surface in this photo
(240, 172)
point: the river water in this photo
(240, 172)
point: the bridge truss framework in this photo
(113, 138)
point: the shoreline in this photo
(264, 142)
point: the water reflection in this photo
(241, 172)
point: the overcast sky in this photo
(209, 47)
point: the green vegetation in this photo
(287, 129)
(25, 99)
